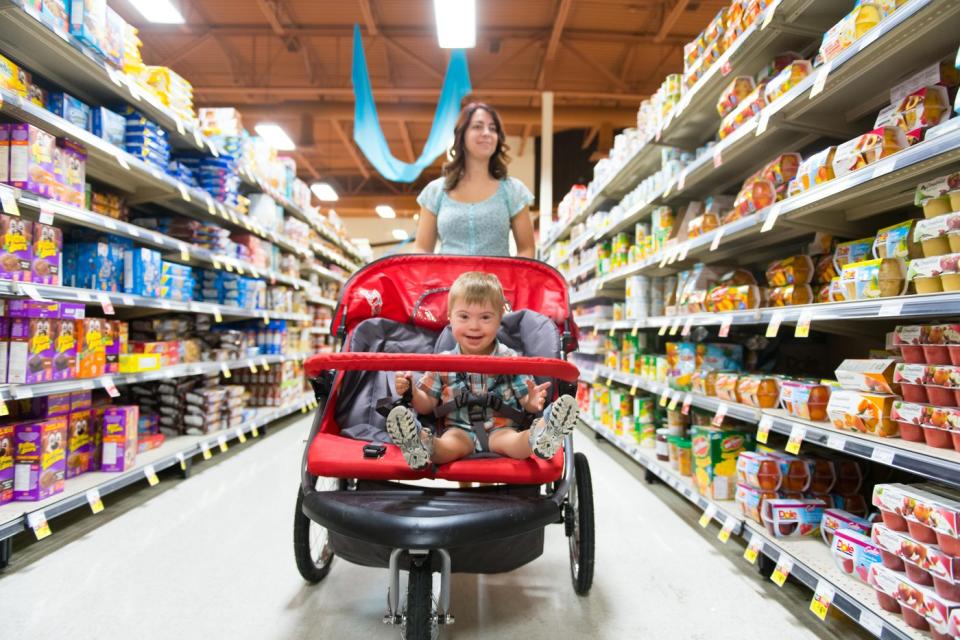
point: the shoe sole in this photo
(402, 429)
(563, 417)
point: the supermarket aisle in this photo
(211, 558)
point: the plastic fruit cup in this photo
(891, 560)
(911, 432)
(954, 350)
(946, 589)
(919, 575)
(940, 636)
(894, 520)
(950, 281)
(948, 544)
(928, 285)
(915, 620)
(914, 392)
(936, 207)
(913, 354)
(935, 437)
(936, 354)
(954, 240)
(888, 603)
(921, 532)
(935, 247)
(955, 201)
(941, 396)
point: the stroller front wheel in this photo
(581, 533)
(311, 541)
(420, 619)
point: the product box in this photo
(141, 272)
(119, 431)
(715, 453)
(31, 348)
(64, 363)
(39, 459)
(88, 22)
(16, 253)
(837, 519)
(70, 109)
(71, 173)
(787, 518)
(56, 15)
(138, 362)
(32, 166)
(47, 259)
(12, 77)
(854, 553)
(80, 400)
(79, 443)
(4, 149)
(921, 607)
(115, 341)
(872, 376)
(6, 462)
(109, 125)
(91, 351)
(862, 412)
(94, 265)
(51, 406)
(113, 38)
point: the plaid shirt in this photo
(510, 388)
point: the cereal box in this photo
(88, 22)
(119, 432)
(79, 443)
(16, 252)
(32, 160)
(71, 173)
(39, 459)
(6, 463)
(47, 242)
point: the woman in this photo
(474, 206)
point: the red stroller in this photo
(353, 503)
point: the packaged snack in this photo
(745, 111)
(924, 563)
(47, 242)
(931, 275)
(755, 195)
(702, 224)
(738, 89)
(88, 22)
(793, 270)
(70, 109)
(807, 400)
(119, 431)
(39, 459)
(739, 298)
(32, 166)
(862, 412)
(854, 553)
(7, 449)
(31, 348)
(16, 254)
(786, 80)
(817, 169)
(759, 470)
(872, 376)
(726, 386)
(114, 27)
(934, 425)
(781, 171)
(851, 28)
(71, 173)
(938, 236)
(91, 351)
(64, 363)
(853, 251)
(56, 16)
(939, 196)
(109, 125)
(792, 518)
(759, 391)
(750, 500)
(79, 443)
(924, 108)
(873, 279)
(897, 241)
(838, 519)
(867, 149)
(12, 77)
(715, 455)
(789, 295)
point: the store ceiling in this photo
(289, 61)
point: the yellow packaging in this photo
(850, 29)
(138, 362)
(12, 77)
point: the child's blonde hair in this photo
(477, 287)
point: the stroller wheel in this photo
(581, 537)
(311, 543)
(420, 616)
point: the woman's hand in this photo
(536, 396)
(522, 226)
(401, 381)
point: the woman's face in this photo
(482, 135)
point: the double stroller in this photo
(356, 500)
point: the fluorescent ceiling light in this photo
(456, 23)
(324, 192)
(159, 11)
(276, 136)
(385, 211)
(400, 234)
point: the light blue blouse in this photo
(480, 228)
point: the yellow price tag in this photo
(241, 436)
(253, 368)
(803, 324)
(303, 409)
(4, 411)
(724, 535)
(774, 327)
(38, 522)
(222, 441)
(763, 429)
(216, 264)
(633, 389)
(728, 526)
(663, 330)
(184, 253)
(822, 599)
(264, 364)
(216, 315)
(708, 515)
(256, 432)
(636, 328)
(674, 401)
(225, 370)
(613, 332)
(205, 449)
(796, 439)
(753, 549)
(596, 331)
(266, 319)
(183, 461)
(8, 201)
(151, 475)
(782, 571)
(93, 499)
(610, 381)
(663, 399)
(228, 267)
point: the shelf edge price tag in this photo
(241, 436)
(93, 499)
(821, 81)
(37, 520)
(725, 326)
(151, 475)
(883, 456)
(674, 401)
(717, 238)
(255, 431)
(772, 216)
(32, 293)
(225, 370)
(633, 389)
(105, 303)
(183, 192)
(822, 599)
(687, 401)
(802, 330)
(720, 414)
(797, 434)
(717, 157)
(774, 327)
(753, 549)
(782, 571)
(110, 386)
(205, 450)
(222, 441)
(46, 215)
(216, 315)
(184, 252)
(182, 460)
(708, 515)
(664, 397)
(768, 16)
(763, 429)
(663, 329)
(8, 201)
(121, 160)
(729, 525)
(264, 364)
(4, 409)
(836, 442)
(675, 327)
(687, 326)
(763, 123)
(888, 309)
(871, 622)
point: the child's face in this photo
(474, 327)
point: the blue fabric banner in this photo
(368, 134)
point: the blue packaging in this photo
(109, 125)
(94, 265)
(70, 109)
(141, 271)
(88, 22)
(174, 269)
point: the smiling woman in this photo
(475, 206)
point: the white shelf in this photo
(13, 515)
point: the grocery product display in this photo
(163, 272)
(759, 291)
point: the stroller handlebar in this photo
(364, 361)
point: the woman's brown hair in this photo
(453, 170)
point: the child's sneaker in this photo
(546, 435)
(414, 441)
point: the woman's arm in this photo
(426, 240)
(522, 226)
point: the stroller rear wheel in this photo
(420, 617)
(311, 542)
(581, 533)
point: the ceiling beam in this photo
(407, 142)
(333, 94)
(679, 6)
(588, 138)
(232, 55)
(599, 68)
(306, 164)
(558, 23)
(368, 19)
(483, 77)
(351, 149)
(188, 50)
(271, 11)
(420, 62)
(527, 129)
